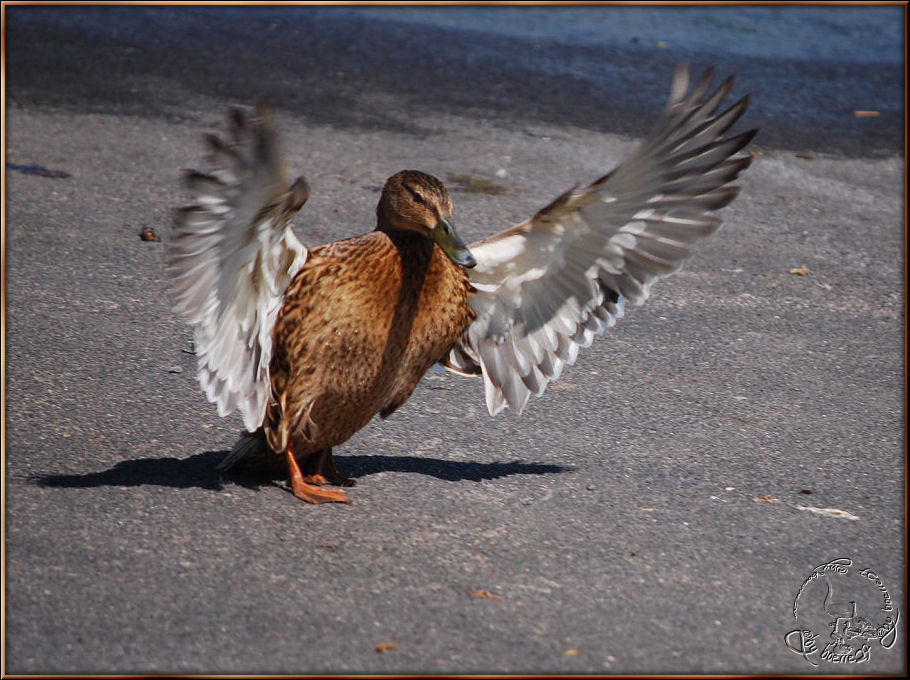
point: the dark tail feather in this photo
(250, 452)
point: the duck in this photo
(308, 344)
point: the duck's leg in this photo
(320, 469)
(310, 493)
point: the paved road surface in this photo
(652, 512)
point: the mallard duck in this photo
(309, 344)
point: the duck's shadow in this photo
(200, 471)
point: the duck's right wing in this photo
(232, 259)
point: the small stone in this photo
(175, 369)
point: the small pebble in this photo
(175, 369)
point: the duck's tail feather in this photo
(252, 452)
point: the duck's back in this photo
(360, 325)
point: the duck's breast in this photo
(442, 313)
(360, 325)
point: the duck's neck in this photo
(415, 249)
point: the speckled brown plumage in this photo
(360, 325)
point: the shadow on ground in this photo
(200, 471)
(452, 471)
(196, 471)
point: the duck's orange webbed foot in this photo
(309, 492)
(320, 469)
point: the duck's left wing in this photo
(548, 286)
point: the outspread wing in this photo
(551, 284)
(233, 257)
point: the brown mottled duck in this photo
(309, 344)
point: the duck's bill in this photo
(448, 239)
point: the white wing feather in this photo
(232, 259)
(548, 286)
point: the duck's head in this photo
(417, 202)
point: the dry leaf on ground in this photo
(486, 594)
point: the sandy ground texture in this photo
(656, 510)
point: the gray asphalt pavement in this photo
(656, 510)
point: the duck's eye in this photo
(417, 195)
